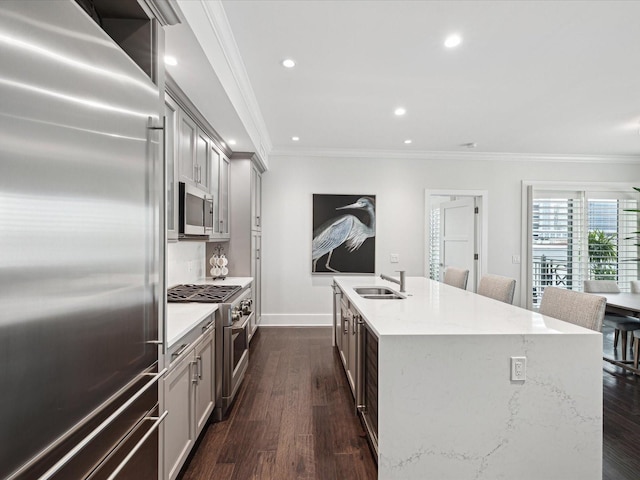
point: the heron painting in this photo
(344, 229)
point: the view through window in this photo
(582, 235)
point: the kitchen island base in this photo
(447, 406)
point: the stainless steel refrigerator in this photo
(80, 249)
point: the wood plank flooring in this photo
(293, 418)
(621, 417)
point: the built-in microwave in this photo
(195, 211)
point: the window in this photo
(580, 235)
(434, 244)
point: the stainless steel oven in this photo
(233, 344)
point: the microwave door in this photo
(194, 215)
(208, 215)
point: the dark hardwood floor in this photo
(621, 417)
(293, 418)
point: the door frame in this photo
(481, 230)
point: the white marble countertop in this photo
(433, 308)
(183, 317)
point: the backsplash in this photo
(185, 262)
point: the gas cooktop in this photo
(202, 293)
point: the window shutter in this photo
(580, 235)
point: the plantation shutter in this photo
(434, 244)
(580, 235)
(558, 252)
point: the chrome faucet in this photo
(399, 282)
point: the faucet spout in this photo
(400, 282)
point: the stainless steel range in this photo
(233, 320)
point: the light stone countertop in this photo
(433, 308)
(184, 317)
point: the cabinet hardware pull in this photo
(156, 424)
(199, 360)
(180, 351)
(207, 327)
(194, 377)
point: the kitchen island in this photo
(447, 405)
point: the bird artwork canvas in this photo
(344, 230)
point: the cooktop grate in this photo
(202, 293)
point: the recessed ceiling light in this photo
(169, 60)
(399, 111)
(295, 139)
(288, 63)
(407, 141)
(453, 41)
(231, 142)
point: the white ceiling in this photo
(541, 77)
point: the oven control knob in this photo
(235, 314)
(245, 305)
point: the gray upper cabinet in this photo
(187, 131)
(219, 188)
(256, 199)
(223, 197)
(202, 160)
(193, 153)
(199, 159)
(171, 118)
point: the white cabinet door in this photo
(187, 149)
(256, 199)
(256, 273)
(179, 434)
(219, 188)
(351, 362)
(202, 160)
(170, 144)
(344, 334)
(223, 197)
(205, 386)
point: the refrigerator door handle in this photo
(156, 424)
(80, 446)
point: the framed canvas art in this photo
(344, 234)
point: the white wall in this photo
(291, 295)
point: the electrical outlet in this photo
(515, 259)
(519, 368)
(394, 258)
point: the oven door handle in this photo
(235, 328)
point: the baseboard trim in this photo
(295, 320)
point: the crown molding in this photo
(436, 155)
(219, 23)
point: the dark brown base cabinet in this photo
(357, 346)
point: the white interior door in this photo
(457, 237)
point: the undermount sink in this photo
(378, 293)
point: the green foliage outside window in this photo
(603, 255)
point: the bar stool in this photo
(497, 287)
(456, 277)
(579, 308)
